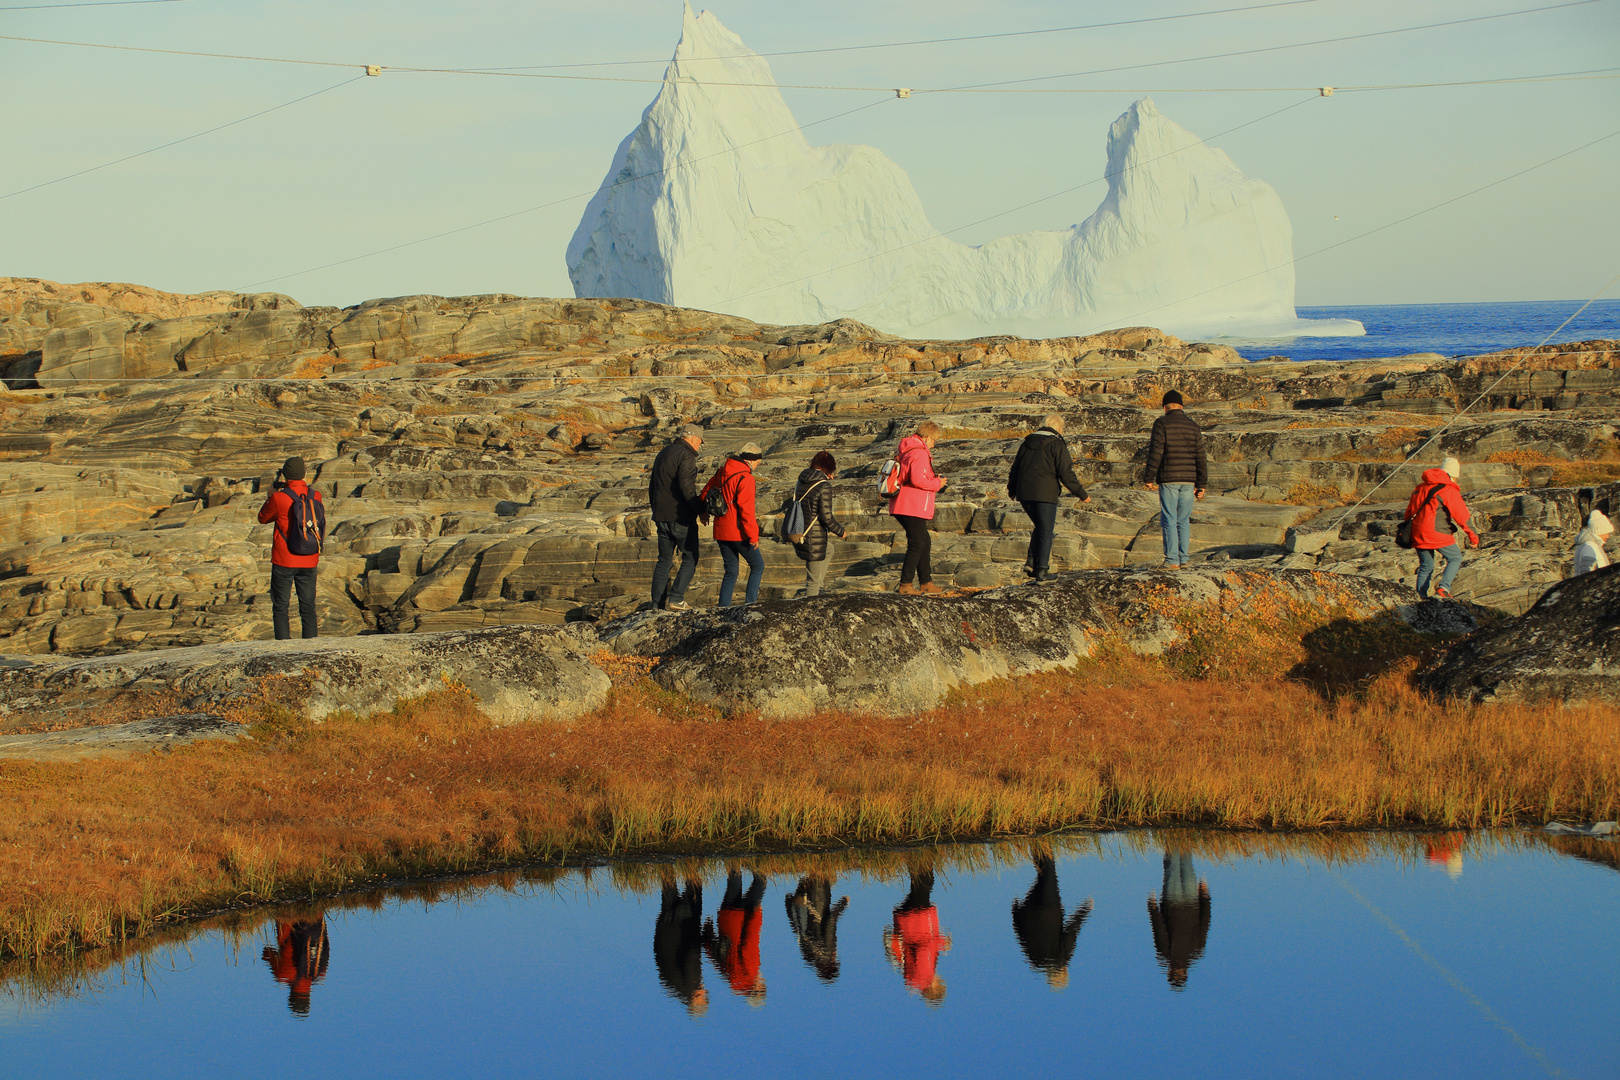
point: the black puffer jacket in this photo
(1176, 452)
(818, 510)
(672, 489)
(1043, 462)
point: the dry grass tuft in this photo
(1564, 471)
(1317, 495)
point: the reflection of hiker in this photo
(731, 938)
(814, 918)
(1047, 938)
(1181, 920)
(677, 945)
(814, 492)
(1446, 852)
(1589, 553)
(915, 944)
(300, 532)
(1042, 464)
(737, 531)
(1178, 470)
(672, 490)
(913, 506)
(1436, 510)
(299, 959)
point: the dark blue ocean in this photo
(1448, 329)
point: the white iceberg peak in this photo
(717, 200)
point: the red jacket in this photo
(917, 480)
(916, 944)
(275, 509)
(736, 479)
(1425, 536)
(736, 949)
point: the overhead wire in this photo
(177, 142)
(87, 3)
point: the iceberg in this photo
(718, 201)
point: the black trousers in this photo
(282, 581)
(919, 544)
(1043, 520)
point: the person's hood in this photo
(808, 477)
(1046, 431)
(910, 443)
(1589, 535)
(1438, 476)
(733, 466)
(296, 486)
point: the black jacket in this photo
(818, 511)
(1176, 452)
(672, 489)
(1047, 936)
(1043, 462)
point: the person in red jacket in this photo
(731, 938)
(292, 505)
(299, 959)
(916, 943)
(737, 532)
(913, 505)
(1437, 511)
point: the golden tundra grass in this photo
(95, 852)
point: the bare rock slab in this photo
(893, 655)
(517, 673)
(1565, 648)
(120, 740)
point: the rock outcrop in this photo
(1566, 648)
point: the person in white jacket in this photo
(1589, 553)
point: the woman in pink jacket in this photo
(913, 505)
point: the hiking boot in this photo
(677, 605)
(907, 589)
(929, 587)
(1442, 593)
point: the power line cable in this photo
(567, 198)
(88, 3)
(177, 142)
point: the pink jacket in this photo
(917, 481)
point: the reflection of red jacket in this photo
(737, 952)
(1424, 534)
(736, 479)
(917, 480)
(917, 945)
(275, 509)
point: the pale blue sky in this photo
(391, 159)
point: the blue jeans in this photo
(673, 537)
(1175, 518)
(1042, 520)
(1426, 556)
(729, 551)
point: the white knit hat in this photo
(1599, 523)
(1452, 466)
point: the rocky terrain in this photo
(484, 459)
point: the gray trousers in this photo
(815, 575)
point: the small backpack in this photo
(715, 503)
(889, 477)
(796, 522)
(1403, 535)
(306, 523)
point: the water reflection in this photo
(299, 959)
(731, 938)
(1445, 852)
(915, 942)
(1180, 918)
(1046, 936)
(678, 944)
(814, 919)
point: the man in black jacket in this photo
(1177, 470)
(672, 491)
(1042, 464)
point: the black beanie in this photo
(1171, 397)
(293, 469)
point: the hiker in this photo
(299, 959)
(815, 494)
(915, 944)
(731, 938)
(814, 918)
(1436, 510)
(672, 490)
(1180, 918)
(677, 944)
(1178, 471)
(1041, 465)
(913, 505)
(737, 531)
(1046, 936)
(300, 520)
(1589, 553)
